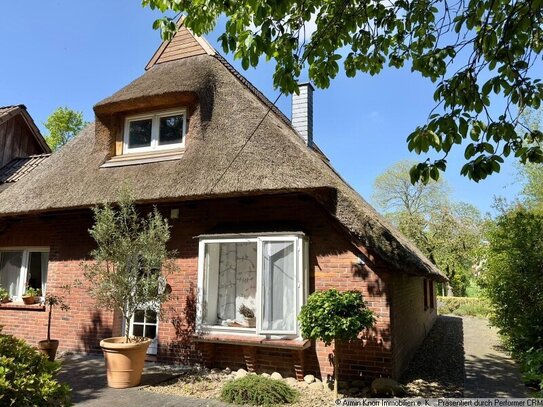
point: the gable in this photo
(183, 45)
(19, 136)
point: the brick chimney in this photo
(302, 112)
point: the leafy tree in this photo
(63, 125)
(130, 261)
(531, 175)
(475, 51)
(333, 316)
(448, 233)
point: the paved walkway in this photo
(87, 377)
(490, 372)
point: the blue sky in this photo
(75, 53)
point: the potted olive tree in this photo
(128, 274)
(333, 316)
(49, 346)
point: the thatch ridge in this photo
(275, 159)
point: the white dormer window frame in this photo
(154, 144)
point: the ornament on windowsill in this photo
(249, 315)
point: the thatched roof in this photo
(218, 160)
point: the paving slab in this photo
(86, 374)
(490, 371)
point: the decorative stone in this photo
(276, 376)
(385, 387)
(318, 380)
(328, 386)
(227, 370)
(241, 373)
(309, 378)
(291, 381)
(215, 371)
(315, 386)
(265, 375)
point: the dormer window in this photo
(155, 131)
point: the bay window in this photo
(252, 284)
(22, 268)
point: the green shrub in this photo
(532, 368)
(464, 306)
(27, 378)
(258, 391)
(514, 281)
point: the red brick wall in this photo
(411, 322)
(333, 263)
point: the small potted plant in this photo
(249, 315)
(49, 346)
(4, 295)
(30, 295)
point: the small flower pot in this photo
(49, 348)
(29, 299)
(5, 300)
(251, 322)
(124, 361)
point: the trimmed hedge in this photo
(27, 377)
(258, 391)
(464, 306)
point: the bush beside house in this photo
(27, 378)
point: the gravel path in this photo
(437, 369)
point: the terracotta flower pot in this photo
(124, 361)
(5, 300)
(49, 348)
(29, 299)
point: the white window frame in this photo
(302, 281)
(24, 268)
(155, 130)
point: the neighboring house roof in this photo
(7, 112)
(219, 161)
(19, 167)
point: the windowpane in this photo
(37, 269)
(10, 271)
(230, 283)
(139, 315)
(278, 286)
(150, 317)
(137, 330)
(150, 331)
(139, 133)
(171, 130)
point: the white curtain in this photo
(279, 285)
(10, 271)
(237, 280)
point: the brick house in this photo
(259, 218)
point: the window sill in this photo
(143, 158)
(294, 344)
(19, 306)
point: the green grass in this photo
(464, 306)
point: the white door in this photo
(145, 323)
